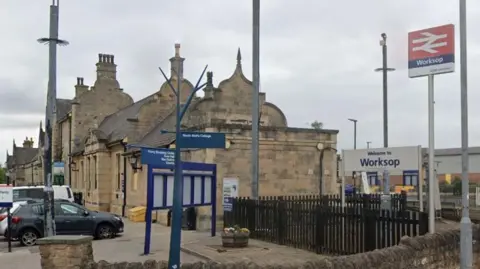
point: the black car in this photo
(70, 219)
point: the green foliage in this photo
(316, 125)
(3, 177)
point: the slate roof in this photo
(63, 107)
(119, 125)
(116, 126)
(23, 155)
(155, 138)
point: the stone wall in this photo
(431, 251)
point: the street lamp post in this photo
(385, 69)
(52, 40)
(255, 97)
(466, 251)
(354, 173)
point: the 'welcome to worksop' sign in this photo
(390, 159)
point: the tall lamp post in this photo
(255, 97)
(354, 173)
(466, 242)
(385, 69)
(50, 112)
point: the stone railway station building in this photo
(93, 129)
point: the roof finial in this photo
(239, 56)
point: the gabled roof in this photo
(121, 123)
(23, 155)
(155, 138)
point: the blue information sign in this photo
(202, 140)
(159, 158)
(227, 204)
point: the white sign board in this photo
(230, 187)
(6, 196)
(230, 191)
(381, 159)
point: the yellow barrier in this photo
(137, 214)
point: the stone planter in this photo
(235, 240)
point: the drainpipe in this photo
(321, 184)
(70, 151)
(124, 184)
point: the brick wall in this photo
(440, 250)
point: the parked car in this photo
(36, 192)
(70, 219)
(4, 214)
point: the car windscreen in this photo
(32, 193)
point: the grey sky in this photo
(317, 59)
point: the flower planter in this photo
(235, 240)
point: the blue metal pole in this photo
(214, 202)
(176, 232)
(148, 217)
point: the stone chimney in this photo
(106, 67)
(80, 88)
(176, 63)
(209, 87)
(28, 143)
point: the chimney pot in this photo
(177, 50)
(100, 57)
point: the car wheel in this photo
(104, 231)
(28, 237)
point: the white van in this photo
(36, 192)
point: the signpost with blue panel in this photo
(199, 186)
(203, 140)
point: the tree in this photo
(316, 125)
(3, 177)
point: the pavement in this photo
(262, 253)
(196, 246)
(127, 247)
